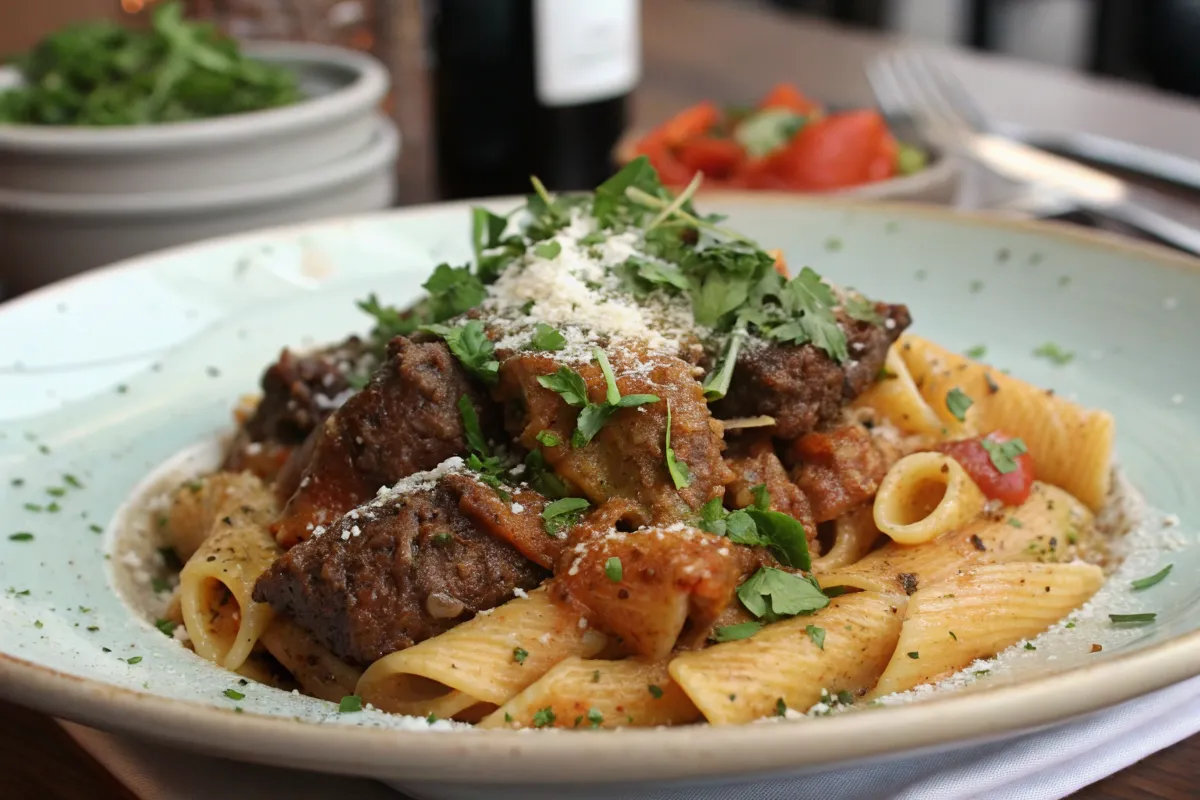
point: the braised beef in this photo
(406, 420)
(840, 469)
(753, 461)
(407, 567)
(801, 386)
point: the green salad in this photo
(100, 74)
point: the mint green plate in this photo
(107, 376)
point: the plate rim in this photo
(692, 752)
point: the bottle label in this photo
(586, 51)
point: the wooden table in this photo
(732, 51)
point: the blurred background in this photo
(483, 93)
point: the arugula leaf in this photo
(1004, 454)
(1146, 583)
(716, 383)
(680, 474)
(563, 514)
(547, 339)
(767, 130)
(786, 536)
(957, 403)
(772, 594)
(569, 384)
(472, 348)
(732, 633)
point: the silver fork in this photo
(912, 90)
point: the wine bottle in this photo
(530, 87)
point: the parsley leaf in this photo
(762, 497)
(569, 384)
(772, 593)
(1004, 454)
(563, 513)
(1146, 583)
(595, 717)
(732, 633)
(573, 389)
(543, 717)
(680, 474)
(816, 634)
(486, 230)
(786, 535)
(957, 403)
(234, 694)
(814, 299)
(166, 626)
(471, 429)
(23, 536)
(470, 345)
(350, 704)
(520, 654)
(542, 477)
(547, 339)
(548, 439)
(640, 277)
(452, 291)
(613, 569)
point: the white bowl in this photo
(343, 87)
(46, 237)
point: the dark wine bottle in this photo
(530, 87)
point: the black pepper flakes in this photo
(908, 581)
(977, 543)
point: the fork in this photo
(914, 91)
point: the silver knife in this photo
(1090, 188)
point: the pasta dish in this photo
(628, 468)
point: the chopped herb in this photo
(732, 633)
(443, 538)
(595, 717)
(914, 654)
(56, 491)
(17, 482)
(952, 636)
(680, 474)
(614, 570)
(547, 339)
(1133, 618)
(640, 277)
(520, 654)
(1015, 523)
(543, 717)
(595, 676)
(93, 628)
(34, 507)
(508, 717)
(1069, 625)
(350, 704)
(845, 697)
(975, 353)
(1029, 646)
(134, 660)
(166, 626)
(234, 694)
(780, 708)
(1004, 454)
(975, 287)
(816, 634)
(452, 291)
(53, 508)
(23, 536)
(37, 623)
(431, 718)
(772, 593)
(762, 497)
(1054, 354)
(548, 250)
(655, 691)
(957, 403)
(563, 513)
(159, 585)
(979, 673)
(716, 383)
(548, 439)
(472, 348)
(1146, 583)
(784, 534)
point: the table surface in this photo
(756, 47)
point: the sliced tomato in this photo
(785, 95)
(833, 152)
(718, 158)
(1011, 488)
(693, 121)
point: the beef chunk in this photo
(421, 562)
(801, 386)
(406, 420)
(627, 458)
(840, 469)
(301, 390)
(753, 462)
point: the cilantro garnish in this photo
(1030, 646)
(563, 513)
(471, 346)
(817, 635)
(569, 384)
(1054, 354)
(1146, 583)
(732, 633)
(546, 339)
(772, 594)
(1132, 618)
(762, 497)
(493, 252)
(350, 704)
(680, 474)
(613, 569)
(542, 477)
(543, 717)
(957, 403)
(1004, 454)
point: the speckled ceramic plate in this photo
(106, 377)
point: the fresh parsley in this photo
(546, 339)
(563, 513)
(1132, 619)
(758, 526)
(1146, 583)
(23, 536)
(957, 403)
(471, 346)
(595, 717)
(520, 654)
(548, 439)
(681, 476)
(350, 704)
(234, 694)
(716, 383)
(1004, 454)
(1054, 354)
(571, 386)
(166, 626)
(543, 717)
(640, 277)
(655, 691)
(613, 569)
(773, 594)
(817, 635)
(732, 633)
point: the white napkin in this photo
(1048, 764)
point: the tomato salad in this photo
(788, 142)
